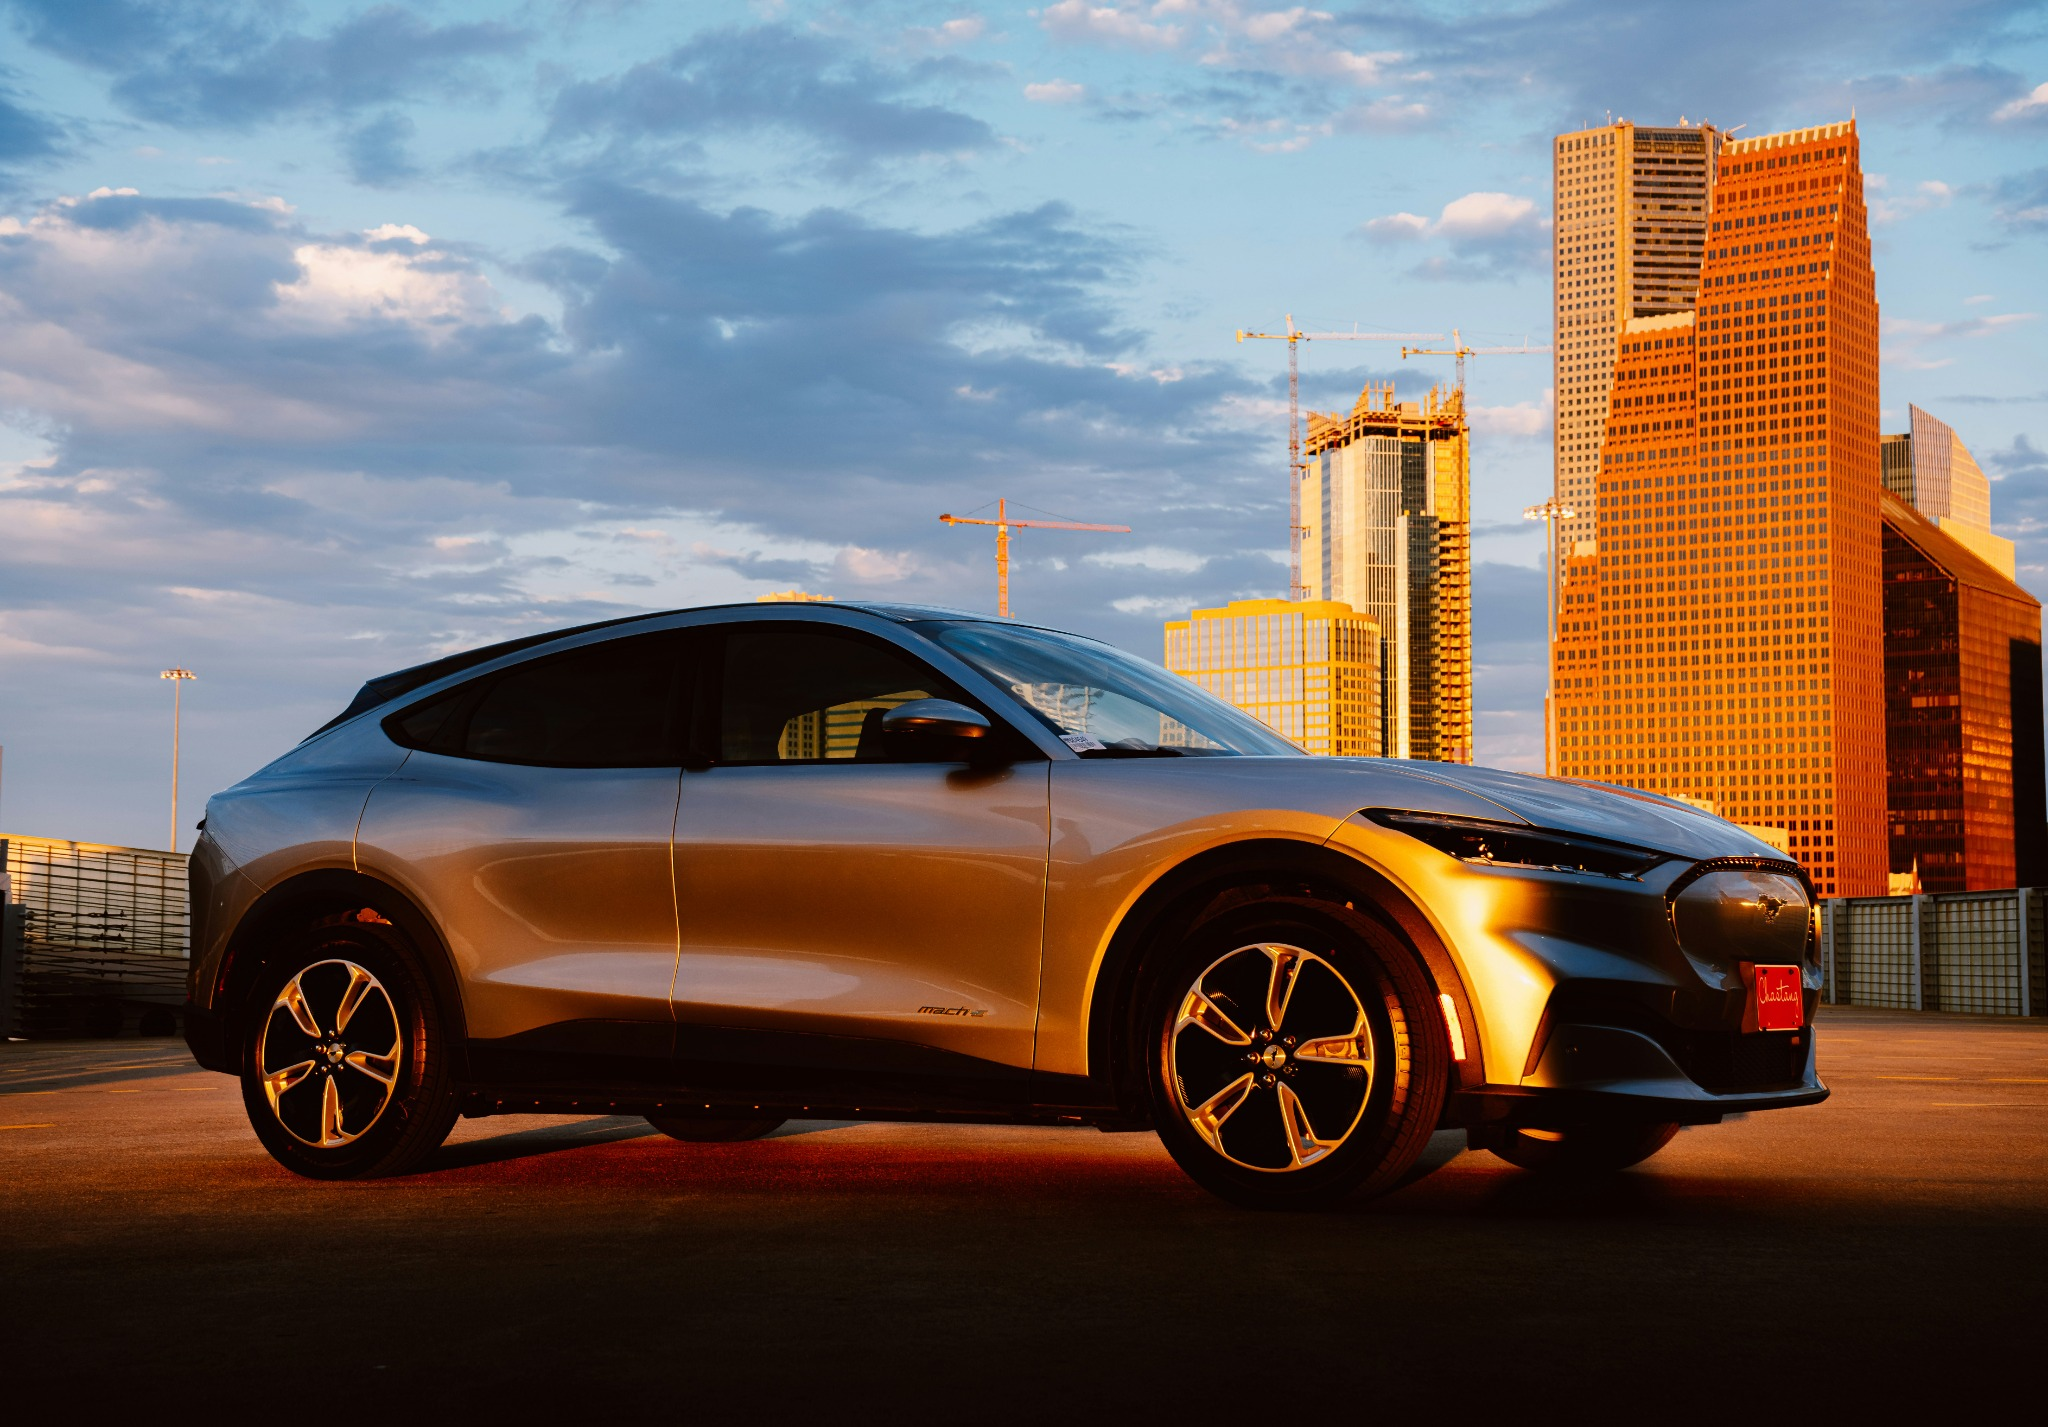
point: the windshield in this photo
(1104, 703)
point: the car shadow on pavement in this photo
(599, 1130)
(1487, 1190)
(540, 1140)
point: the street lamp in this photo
(1550, 513)
(177, 678)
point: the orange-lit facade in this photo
(1721, 640)
(1963, 730)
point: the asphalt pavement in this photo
(1882, 1255)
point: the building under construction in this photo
(1387, 529)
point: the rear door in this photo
(826, 890)
(533, 821)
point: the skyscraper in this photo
(1929, 468)
(1308, 669)
(1962, 673)
(1724, 639)
(1386, 513)
(1631, 204)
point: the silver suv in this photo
(727, 866)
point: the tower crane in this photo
(1002, 523)
(1553, 513)
(1459, 350)
(1295, 466)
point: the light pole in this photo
(1550, 512)
(177, 678)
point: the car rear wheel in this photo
(1296, 1056)
(345, 1071)
(710, 1132)
(1600, 1149)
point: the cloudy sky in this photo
(336, 336)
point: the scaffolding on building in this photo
(1426, 529)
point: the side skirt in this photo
(722, 1072)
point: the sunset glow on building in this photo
(1720, 638)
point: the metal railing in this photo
(95, 938)
(1984, 953)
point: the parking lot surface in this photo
(1883, 1253)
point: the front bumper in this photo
(1605, 1074)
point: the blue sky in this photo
(333, 337)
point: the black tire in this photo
(713, 1132)
(1344, 1122)
(338, 1119)
(1601, 1149)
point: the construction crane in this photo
(1002, 523)
(1459, 350)
(1296, 469)
(1553, 513)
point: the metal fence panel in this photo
(1882, 970)
(103, 933)
(1980, 967)
(1982, 953)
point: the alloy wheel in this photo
(330, 1053)
(1272, 1057)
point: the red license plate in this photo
(1779, 999)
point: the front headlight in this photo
(1501, 844)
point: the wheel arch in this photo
(1216, 880)
(324, 898)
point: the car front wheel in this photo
(1296, 1055)
(345, 1065)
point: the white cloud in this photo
(339, 286)
(1906, 340)
(1153, 605)
(874, 567)
(387, 232)
(1490, 235)
(1275, 136)
(1397, 228)
(961, 31)
(1483, 215)
(1149, 557)
(1054, 91)
(1392, 114)
(1524, 419)
(1295, 40)
(1887, 209)
(1477, 218)
(1077, 21)
(2033, 106)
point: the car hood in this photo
(1602, 811)
(1598, 809)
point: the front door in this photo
(824, 888)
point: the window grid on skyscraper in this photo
(1720, 638)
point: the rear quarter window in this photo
(620, 704)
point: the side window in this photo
(796, 695)
(613, 705)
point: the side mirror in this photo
(930, 723)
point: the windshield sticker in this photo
(1081, 742)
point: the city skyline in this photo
(346, 335)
